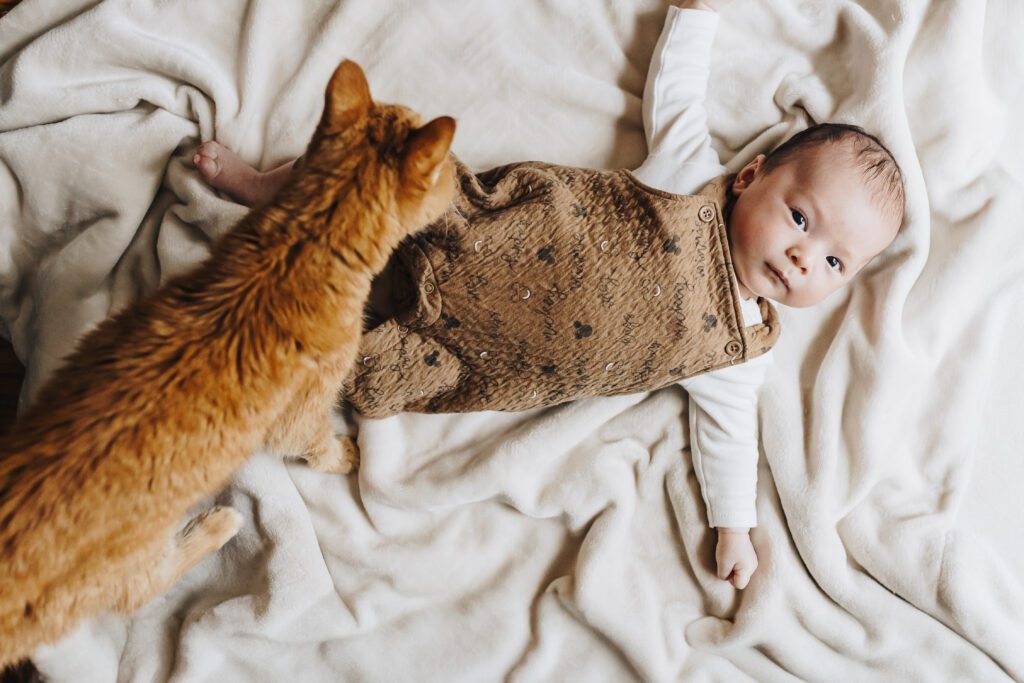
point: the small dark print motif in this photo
(450, 321)
(709, 322)
(671, 246)
(548, 369)
(579, 211)
(547, 255)
(582, 330)
(431, 359)
(675, 372)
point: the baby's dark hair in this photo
(874, 159)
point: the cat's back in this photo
(147, 409)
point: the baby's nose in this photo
(798, 259)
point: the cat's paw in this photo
(337, 455)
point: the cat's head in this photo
(397, 164)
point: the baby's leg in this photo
(223, 170)
(154, 576)
(305, 430)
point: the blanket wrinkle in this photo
(571, 543)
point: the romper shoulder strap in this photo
(761, 337)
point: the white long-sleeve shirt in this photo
(723, 403)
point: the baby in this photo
(691, 254)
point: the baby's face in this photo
(805, 229)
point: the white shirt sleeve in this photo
(723, 439)
(680, 157)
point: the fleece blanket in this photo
(568, 543)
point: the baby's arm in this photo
(723, 404)
(724, 444)
(680, 157)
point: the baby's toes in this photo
(205, 159)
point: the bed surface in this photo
(566, 544)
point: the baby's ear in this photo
(348, 97)
(427, 149)
(747, 174)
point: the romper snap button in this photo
(706, 214)
(403, 330)
(733, 348)
(608, 368)
(428, 287)
(485, 355)
(476, 245)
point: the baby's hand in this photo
(710, 5)
(735, 556)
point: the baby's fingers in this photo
(741, 577)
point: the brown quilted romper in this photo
(543, 284)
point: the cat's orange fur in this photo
(163, 402)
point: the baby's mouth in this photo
(778, 274)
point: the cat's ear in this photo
(426, 149)
(348, 97)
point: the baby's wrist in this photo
(737, 530)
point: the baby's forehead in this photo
(839, 168)
(816, 164)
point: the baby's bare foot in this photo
(223, 170)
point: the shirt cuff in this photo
(735, 517)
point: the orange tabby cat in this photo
(161, 403)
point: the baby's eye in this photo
(834, 263)
(799, 219)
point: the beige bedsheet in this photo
(567, 544)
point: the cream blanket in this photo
(568, 544)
